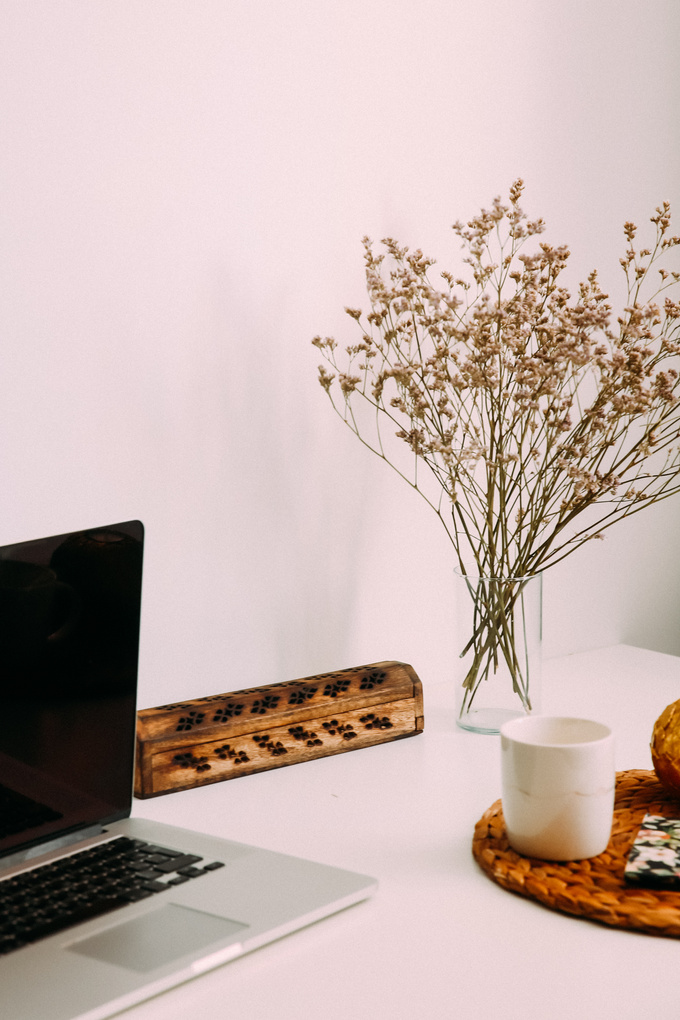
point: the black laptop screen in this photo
(69, 641)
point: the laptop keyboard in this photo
(55, 896)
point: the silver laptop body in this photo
(69, 634)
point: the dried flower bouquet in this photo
(538, 423)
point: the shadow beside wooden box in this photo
(224, 736)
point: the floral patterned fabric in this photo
(654, 858)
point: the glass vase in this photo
(498, 649)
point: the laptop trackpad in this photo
(157, 938)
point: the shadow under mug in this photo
(558, 777)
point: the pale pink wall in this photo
(184, 187)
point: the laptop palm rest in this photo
(158, 938)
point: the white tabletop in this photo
(439, 939)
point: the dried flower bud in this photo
(526, 405)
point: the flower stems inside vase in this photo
(499, 633)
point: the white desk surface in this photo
(439, 940)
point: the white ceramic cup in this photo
(558, 780)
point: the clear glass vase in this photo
(498, 649)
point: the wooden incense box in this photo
(228, 735)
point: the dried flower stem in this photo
(538, 424)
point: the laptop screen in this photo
(69, 641)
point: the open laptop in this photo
(99, 910)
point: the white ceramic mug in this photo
(558, 779)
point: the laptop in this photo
(98, 910)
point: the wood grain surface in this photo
(224, 736)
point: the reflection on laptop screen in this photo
(69, 637)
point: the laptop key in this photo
(138, 893)
(153, 886)
(177, 863)
(158, 858)
(192, 872)
(149, 873)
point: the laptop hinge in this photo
(29, 853)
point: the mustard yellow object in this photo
(665, 747)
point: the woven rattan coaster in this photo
(595, 888)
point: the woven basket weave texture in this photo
(593, 889)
